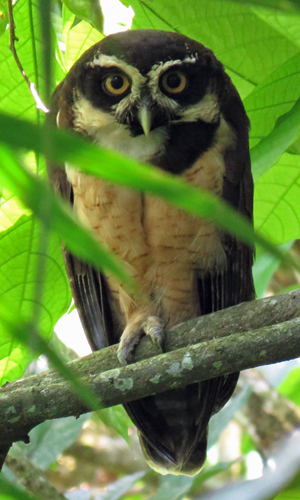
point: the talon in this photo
(123, 356)
(125, 350)
(152, 326)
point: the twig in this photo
(13, 38)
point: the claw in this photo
(152, 326)
(126, 349)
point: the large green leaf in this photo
(175, 487)
(244, 43)
(263, 269)
(288, 494)
(277, 200)
(77, 37)
(11, 209)
(3, 17)
(209, 472)
(220, 420)
(116, 490)
(19, 255)
(116, 418)
(272, 98)
(89, 10)
(265, 154)
(287, 23)
(49, 439)
(290, 386)
(274, 5)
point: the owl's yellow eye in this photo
(116, 84)
(173, 81)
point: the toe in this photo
(151, 325)
(154, 327)
(126, 347)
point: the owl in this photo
(164, 99)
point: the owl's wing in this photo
(89, 287)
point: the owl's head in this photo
(139, 81)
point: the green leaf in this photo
(268, 151)
(14, 91)
(89, 10)
(49, 439)
(220, 420)
(173, 487)
(117, 489)
(263, 269)
(295, 483)
(287, 22)
(247, 444)
(19, 251)
(11, 209)
(277, 200)
(290, 386)
(286, 6)
(210, 472)
(288, 494)
(273, 97)
(3, 16)
(116, 418)
(78, 38)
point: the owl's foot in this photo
(152, 326)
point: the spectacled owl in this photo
(164, 99)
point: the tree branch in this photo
(267, 415)
(248, 335)
(33, 478)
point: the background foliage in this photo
(260, 49)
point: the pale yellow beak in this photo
(145, 118)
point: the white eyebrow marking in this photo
(106, 61)
(156, 70)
